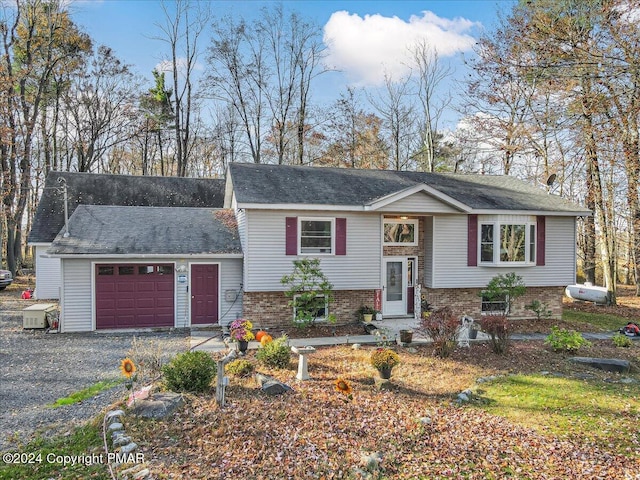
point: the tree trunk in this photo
(596, 201)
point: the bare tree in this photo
(264, 69)
(182, 30)
(101, 107)
(237, 75)
(429, 74)
(395, 108)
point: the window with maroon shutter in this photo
(507, 242)
(314, 235)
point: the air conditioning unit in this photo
(35, 316)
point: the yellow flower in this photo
(127, 367)
(343, 386)
(384, 358)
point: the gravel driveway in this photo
(37, 368)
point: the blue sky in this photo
(367, 38)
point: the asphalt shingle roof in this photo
(279, 184)
(106, 189)
(118, 230)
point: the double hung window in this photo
(316, 236)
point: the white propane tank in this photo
(588, 293)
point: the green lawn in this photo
(604, 413)
(44, 458)
(603, 321)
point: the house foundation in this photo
(467, 301)
(271, 309)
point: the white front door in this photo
(394, 286)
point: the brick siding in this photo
(270, 309)
(467, 300)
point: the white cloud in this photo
(167, 66)
(366, 48)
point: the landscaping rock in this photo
(160, 405)
(271, 386)
(115, 426)
(121, 440)
(606, 364)
(369, 328)
(490, 378)
(371, 461)
(137, 472)
(129, 447)
(142, 474)
(114, 414)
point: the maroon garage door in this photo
(134, 295)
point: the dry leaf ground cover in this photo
(414, 423)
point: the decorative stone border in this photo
(123, 448)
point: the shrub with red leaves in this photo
(497, 327)
(443, 327)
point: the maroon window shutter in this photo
(541, 235)
(292, 236)
(472, 241)
(341, 236)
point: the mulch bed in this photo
(414, 424)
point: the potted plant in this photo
(240, 331)
(366, 313)
(406, 336)
(384, 359)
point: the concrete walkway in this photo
(212, 340)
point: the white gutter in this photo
(143, 255)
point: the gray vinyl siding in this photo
(47, 275)
(76, 300)
(450, 268)
(242, 227)
(241, 217)
(428, 254)
(418, 202)
(266, 261)
(230, 279)
(182, 305)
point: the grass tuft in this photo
(89, 392)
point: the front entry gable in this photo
(419, 198)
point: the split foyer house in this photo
(379, 235)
